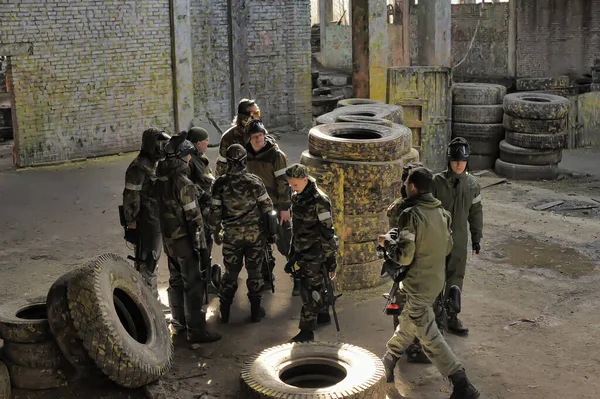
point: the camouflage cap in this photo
(236, 153)
(298, 171)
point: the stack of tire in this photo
(363, 107)
(99, 320)
(477, 117)
(536, 130)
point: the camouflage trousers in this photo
(283, 240)
(312, 293)
(148, 250)
(236, 250)
(418, 320)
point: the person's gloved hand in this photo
(331, 263)
(476, 248)
(289, 268)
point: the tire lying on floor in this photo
(487, 114)
(25, 321)
(528, 156)
(363, 119)
(477, 93)
(482, 162)
(356, 101)
(483, 138)
(526, 172)
(390, 112)
(314, 371)
(33, 378)
(131, 356)
(539, 141)
(43, 355)
(536, 106)
(535, 126)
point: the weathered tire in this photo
(357, 101)
(390, 112)
(359, 142)
(274, 372)
(25, 321)
(477, 94)
(363, 119)
(482, 162)
(360, 252)
(129, 362)
(360, 275)
(364, 227)
(5, 389)
(529, 84)
(527, 156)
(477, 113)
(539, 141)
(483, 138)
(63, 329)
(526, 172)
(43, 355)
(536, 106)
(30, 378)
(535, 126)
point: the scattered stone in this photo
(156, 390)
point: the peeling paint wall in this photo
(584, 124)
(337, 50)
(99, 75)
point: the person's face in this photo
(201, 146)
(298, 184)
(410, 188)
(458, 167)
(257, 140)
(187, 158)
(254, 112)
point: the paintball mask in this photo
(458, 149)
(178, 147)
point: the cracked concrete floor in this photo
(530, 297)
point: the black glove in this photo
(331, 264)
(271, 239)
(218, 238)
(289, 267)
(476, 248)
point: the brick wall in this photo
(556, 37)
(99, 75)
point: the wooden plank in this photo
(548, 205)
(576, 208)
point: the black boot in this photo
(415, 354)
(304, 336)
(178, 322)
(256, 311)
(296, 289)
(463, 389)
(224, 309)
(323, 318)
(389, 362)
(200, 333)
(455, 326)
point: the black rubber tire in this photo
(526, 172)
(539, 141)
(374, 142)
(128, 362)
(356, 101)
(530, 84)
(35, 379)
(5, 389)
(536, 106)
(43, 355)
(527, 156)
(535, 126)
(482, 162)
(394, 113)
(477, 94)
(363, 119)
(262, 375)
(477, 114)
(25, 321)
(483, 138)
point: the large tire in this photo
(5, 389)
(360, 252)
(483, 138)
(390, 112)
(44, 355)
(539, 141)
(477, 113)
(527, 156)
(273, 373)
(357, 101)
(477, 94)
(364, 227)
(526, 172)
(25, 321)
(363, 119)
(529, 84)
(359, 142)
(535, 126)
(482, 162)
(129, 362)
(30, 378)
(536, 106)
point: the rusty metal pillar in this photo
(360, 48)
(435, 22)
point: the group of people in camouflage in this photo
(172, 199)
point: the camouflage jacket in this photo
(201, 175)
(313, 234)
(234, 135)
(239, 202)
(270, 163)
(394, 211)
(139, 198)
(180, 214)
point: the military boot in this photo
(463, 389)
(455, 326)
(415, 354)
(389, 363)
(323, 318)
(256, 311)
(178, 322)
(296, 289)
(304, 336)
(224, 309)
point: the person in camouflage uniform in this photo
(422, 241)
(460, 195)
(239, 203)
(182, 229)
(247, 110)
(314, 243)
(268, 162)
(140, 208)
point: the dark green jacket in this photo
(270, 163)
(201, 175)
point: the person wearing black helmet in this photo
(140, 209)
(247, 110)
(460, 195)
(183, 233)
(239, 203)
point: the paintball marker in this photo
(332, 298)
(130, 235)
